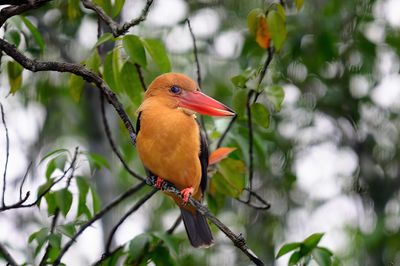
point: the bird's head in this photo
(176, 90)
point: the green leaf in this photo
(51, 203)
(14, 71)
(83, 189)
(170, 241)
(161, 256)
(55, 240)
(260, 114)
(97, 160)
(43, 188)
(277, 29)
(253, 18)
(311, 242)
(137, 245)
(51, 166)
(322, 256)
(275, 95)
(63, 199)
(239, 102)
(13, 37)
(239, 81)
(76, 87)
(68, 229)
(93, 62)
(35, 33)
(111, 69)
(96, 201)
(105, 4)
(40, 237)
(133, 46)
(55, 152)
(158, 53)
(287, 248)
(295, 258)
(233, 172)
(117, 7)
(299, 4)
(104, 38)
(130, 83)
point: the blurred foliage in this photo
(320, 48)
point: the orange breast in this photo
(168, 144)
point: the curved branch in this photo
(112, 143)
(17, 9)
(7, 156)
(116, 28)
(79, 70)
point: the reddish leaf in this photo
(219, 154)
(262, 35)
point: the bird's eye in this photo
(175, 90)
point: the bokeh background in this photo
(327, 162)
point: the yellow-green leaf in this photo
(133, 46)
(299, 4)
(76, 87)
(233, 172)
(158, 53)
(117, 7)
(130, 83)
(35, 33)
(14, 71)
(275, 95)
(260, 114)
(277, 29)
(253, 19)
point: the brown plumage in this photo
(170, 144)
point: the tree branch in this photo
(79, 70)
(7, 156)
(116, 28)
(13, 10)
(96, 217)
(141, 78)
(221, 139)
(112, 143)
(264, 71)
(7, 256)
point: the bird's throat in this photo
(188, 112)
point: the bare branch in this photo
(23, 180)
(195, 53)
(116, 28)
(7, 256)
(112, 143)
(250, 129)
(121, 221)
(7, 155)
(221, 139)
(237, 240)
(264, 71)
(263, 206)
(13, 10)
(96, 217)
(79, 70)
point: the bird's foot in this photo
(186, 193)
(159, 182)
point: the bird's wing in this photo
(203, 156)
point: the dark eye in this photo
(175, 90)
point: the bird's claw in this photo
(159, 182)
(186, 194)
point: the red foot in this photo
(159, 182)
(186, 193)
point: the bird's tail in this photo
(197, 228)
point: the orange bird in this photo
(171, 146)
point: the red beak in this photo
(203, 104)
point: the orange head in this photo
(176, 90)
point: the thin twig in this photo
(112, 143)
(23, 180)
(116, 28)
(141, 78)
(7, 156)
(264, 71)
(174, 225)
(221, 139)
(7, 256)
(79, 70)
(126, 215)
(96, 217)
(265, 205)
(195, 53)
(250, 129)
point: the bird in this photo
(173, 148)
